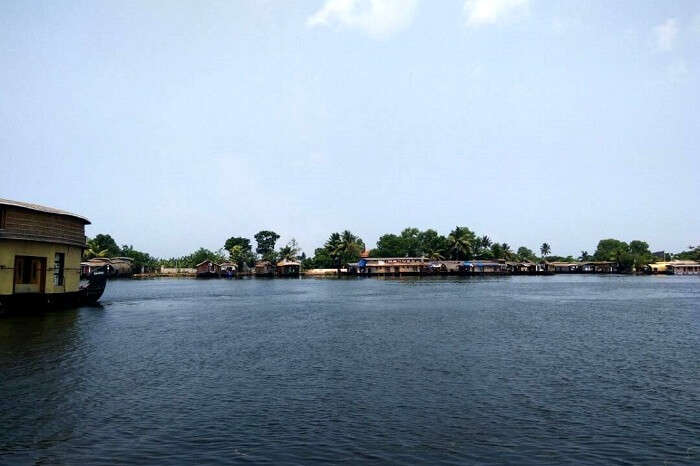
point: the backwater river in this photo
(515, 370)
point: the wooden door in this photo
(30, 274)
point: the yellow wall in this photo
(658, 266)
(11, 248)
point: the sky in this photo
(175, 125)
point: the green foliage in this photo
(526, 254)
(341, 248)
(102, 246)
(497, 251)
(389, 245)
(412, 243)
(460, 243)
(191, 260)
(266, 244)
(240, 255)
(290, 251)
(142, 260)
(321, 260)
(628, 257)
(545, 249)
(244, 243)
(433, 245)
(240, 251)
(692, 254)
(609, 248)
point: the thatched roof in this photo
(205, 262)
(285, 262)
(41, 208)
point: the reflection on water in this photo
(507, 369)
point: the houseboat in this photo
(264, 269)
(483, 267)
(96, 263)
(396, 266)
(288, 268)
(599, 267)
(115, 267)
(228, 269)
(678, 267)
(208, 269)
(123, 266)
(563, 267)
(40, 252)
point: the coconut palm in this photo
(334, 246)
(350, 245)
(460, 242)
(545, 249)
(93, 250)
(435, 255)
(507, 252)
(585, 256)
(290, 251)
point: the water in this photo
(564, 369)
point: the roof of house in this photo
(41, 208)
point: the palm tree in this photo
(545, 249)
(94, 251)
(350, 245)
(585, 256)
(334, 246)
(507, 252)
(460, 241)
(290, 251)
(435, 255)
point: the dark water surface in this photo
(565, 369)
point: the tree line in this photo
(346, 247)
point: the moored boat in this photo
(40, 253)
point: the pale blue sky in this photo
(174, 125)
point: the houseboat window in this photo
(58, 268)
(27, 270)
(2, 217)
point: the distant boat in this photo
(208, 269)
(287, 268)
(264, 269)
(228, 269)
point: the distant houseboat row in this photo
(391, 266)
(284, 268)
(422, 266)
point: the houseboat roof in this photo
(480, 263)
(41, 208)
(285, 262)
(675, 263)
(205, 262)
